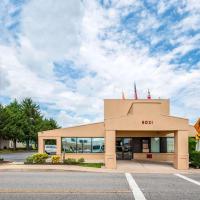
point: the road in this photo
(16, 157)
(98, 186)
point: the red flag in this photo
(135, 91)
(149, 95)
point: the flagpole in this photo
(135, 91)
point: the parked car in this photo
(50, 149)
(96, 148)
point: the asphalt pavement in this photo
(16, 157)
(167, 187)
(104, 186)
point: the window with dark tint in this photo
(163, 145)
(137, 145)
(166, 145)
(145, 145)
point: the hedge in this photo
(195, 159)
(37, 158)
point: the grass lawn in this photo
(5, 151)
(95, 165)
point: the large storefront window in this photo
(69, 145)
(167, 145)
(83, 145)
(155, 145)
(97, 145)
(170, 145)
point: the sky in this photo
(70, 55)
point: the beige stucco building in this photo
(132, 129)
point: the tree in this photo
(48, 124)
(13, 121)
(31, 116)
(22, 122)
(192, 144)
(2, 120)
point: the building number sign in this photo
(147, 122)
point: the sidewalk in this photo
(22, 167)
(122, 167)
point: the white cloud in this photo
(63, 118)
(53, 27)
(57, 30)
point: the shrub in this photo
(192, 144)
(37, 158)
(29, 160)
(1, 159)
(195, 158)
(55, 159)
(81, 160)
(70, 161)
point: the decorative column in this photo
(181, 156)
(110, 146)
(58, 146)
(40, 145)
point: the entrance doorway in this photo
(124, 148)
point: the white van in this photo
(50, 149)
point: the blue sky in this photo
(70, 55)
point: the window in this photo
(87, 145)
(170, 145)
(163, 145)
(145, 146)
(155, 145)
(69, 145)
(97, 145)
(83, 145)
(167, 145)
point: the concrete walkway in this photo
(122, 166)
(136, 166)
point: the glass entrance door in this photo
(124, 148)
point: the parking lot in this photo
(84, 185)
(16, 157)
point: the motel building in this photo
(140, 129)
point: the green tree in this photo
(3, 119)
(13, 121)
(22, 122)
(192, 144)
(48, 124)
(31, 117)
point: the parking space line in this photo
(188, 179)
(137, 193)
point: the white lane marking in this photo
(137, 193)
(188, 179)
